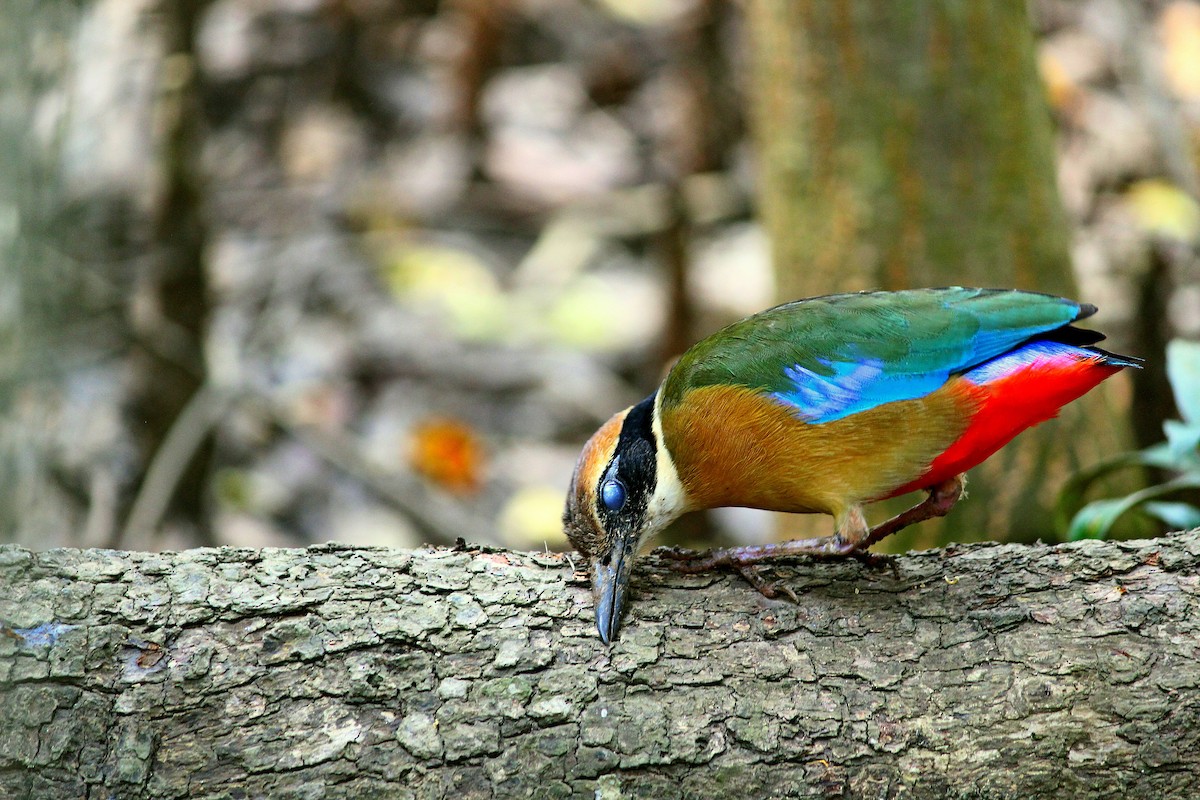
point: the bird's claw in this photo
(768, 589)
(691, 562)
(679, 553)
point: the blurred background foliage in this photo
(1177, 458)
(287, 271)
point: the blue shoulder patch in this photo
(853, 387)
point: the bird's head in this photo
(623, 491)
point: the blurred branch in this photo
(705, 131)
(169, 308)
(484, 23)
(712, 113)
(183, 440)
(103, 495)
(675, 245)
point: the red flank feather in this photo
(1010, 403)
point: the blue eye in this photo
(613, 494)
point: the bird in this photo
(824, 405)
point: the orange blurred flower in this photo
(449, 453)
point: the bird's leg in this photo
(745, 559)
(690, 561)
(852, 531)
(942, 498)
(853, 537)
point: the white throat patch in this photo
(669, 499)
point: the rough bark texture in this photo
(981, 671)
(909, 144)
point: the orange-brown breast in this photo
(733, 446)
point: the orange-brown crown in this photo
(580, 519)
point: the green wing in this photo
(833, 356)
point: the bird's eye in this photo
(612, 493)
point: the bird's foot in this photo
(768, 589)
(680, 553)
(692, 562)
(741, 560)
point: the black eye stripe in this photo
(633, 467)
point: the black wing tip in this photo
(1080, 337)
(1085, 311)
(1110, 359)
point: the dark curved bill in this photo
(610, 583)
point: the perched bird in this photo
(821, 406)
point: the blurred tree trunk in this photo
(908, 144)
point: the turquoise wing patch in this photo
(852, 387)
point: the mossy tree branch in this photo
(979, 671)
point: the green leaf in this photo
(1159, 455)
(1183, 371)
(1177, 516)
(1094, 520)
(1183, 442)
(1070, 499)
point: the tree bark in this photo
(909, 144)
(978, 671)
(905, 143)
